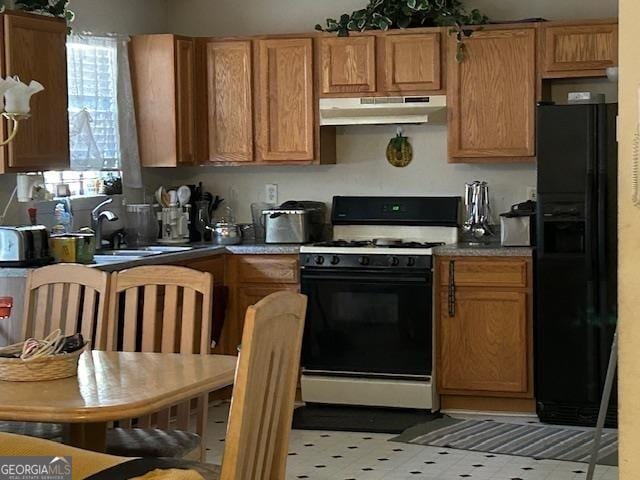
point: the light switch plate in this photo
(271, 193)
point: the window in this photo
(93, 78)
(92, 73)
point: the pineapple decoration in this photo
(399, 150)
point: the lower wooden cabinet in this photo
(484, 328)
(247, 280)
(483, 342)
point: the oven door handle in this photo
(425, 278)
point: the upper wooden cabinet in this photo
(411, 63)
(285, 106)
(163, 77)
(185, 99)
(35, 49)
(578, 50)
(230, 101)
(380, 64)
(492, 96)
(348, 65)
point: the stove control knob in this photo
(394, 261)
(363, 260)
(319, 260)
(335, 260)
(411, 262)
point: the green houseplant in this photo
(386, 14)
(54, 8)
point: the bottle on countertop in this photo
(63, 219)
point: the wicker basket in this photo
(63, 365)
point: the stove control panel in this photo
(365, 261)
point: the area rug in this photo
(527, 440)
(358, 419)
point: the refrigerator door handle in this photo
(591, 231)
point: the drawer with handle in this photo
(483, 272)
(267, 268)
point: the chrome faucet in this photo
(97, 218)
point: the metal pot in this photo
(226, 233)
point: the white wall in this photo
(234, 17)
(120, 16)
(362, 168)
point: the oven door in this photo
(368, 323)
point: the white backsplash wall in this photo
(362, 169)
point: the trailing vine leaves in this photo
(386, 14)
(55, 8)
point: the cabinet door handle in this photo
(451, 294)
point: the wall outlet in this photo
(271, 193)
(532, 193)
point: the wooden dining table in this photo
(114, 386)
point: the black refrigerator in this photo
(576, 261)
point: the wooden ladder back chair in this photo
(73, 298)
(163, 309)
(257, 441)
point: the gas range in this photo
(378, 253)
(370, 290)
(391, 248)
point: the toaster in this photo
(518, 226)
(295, 222)
(24, 246)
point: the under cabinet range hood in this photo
(383, 110)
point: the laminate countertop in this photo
(482, 250)
(112, 263)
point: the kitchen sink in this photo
(102, 259)
(144, 251)
(166, 249)
(127, 253)
(132, 254)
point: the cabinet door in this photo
(411, 62)
(185, 100)
(229, 93)
(492, 96)
(35, 49)
(578, 50)
(246, 295)
(483, 343)
(348, 65)
(285, 102)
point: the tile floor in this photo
(317, 455)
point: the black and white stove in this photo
(368, 333)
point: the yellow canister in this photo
(63, 248)
(73, 248)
